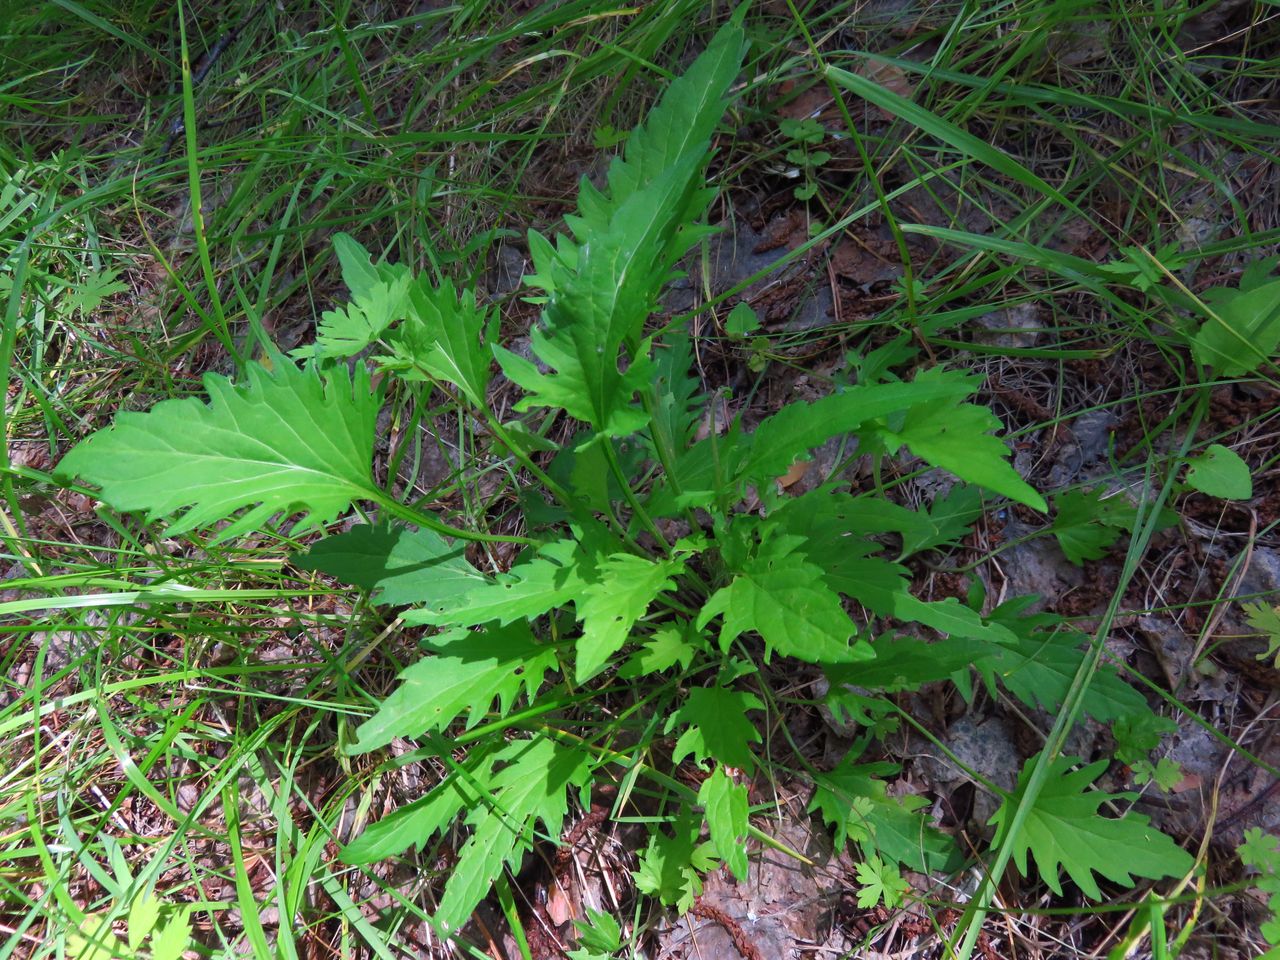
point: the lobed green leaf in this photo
(1064, 831)
(465, 672)
(288, 440)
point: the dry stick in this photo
(1236, 578)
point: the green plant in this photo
(1088, 522)
(642, 582)
(1241, 329)
(599, 939)
(805, 136)
(1261, 853)
(1220, 472)
(1265, 618)
(1065, 831)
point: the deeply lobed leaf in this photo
(716, 726)
(465, 672)
(1064, 831)
(529, 789)
(602, 284)
(1088, 522)
(610, 605)
(854, 799)
(441, 338)
(782, 597)
(378, 300)
(506, 792)
(554, 577)
(289, 439)
(836, 528)
(957, 437)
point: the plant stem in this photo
(632, 500)
(418, 518)
(499, 431)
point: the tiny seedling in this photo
(806, 159)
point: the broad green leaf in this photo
(947, 520)
(854, 800)
(783, 597)
(943, 522)
(414, 824)
(377, 301)
(288, 440)
(1064, 830)
(1087, 523)
(742, 320)
(530, 788)
(717, 727)
(611, 603)
(602, 285)
(906, 663)
(672, 865)
(676, 406)
(957, 438)
(724, 804)
(1245, 329)
(1136, 735)
(849, 706)
(669, 645)
(358, 271)
(465, 673)
(685, 117)
(349, 329)
(557, 575)
(1146, 269)
(440, 338)
(582, 467)
(1039, 666)
(596, 311)
(794, 430)
(599, 936)
(401, 566)
(807, 130)
(832, 525)
(1220, 472)
(718, 465)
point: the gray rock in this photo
(984, 745)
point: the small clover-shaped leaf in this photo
(880, 882)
